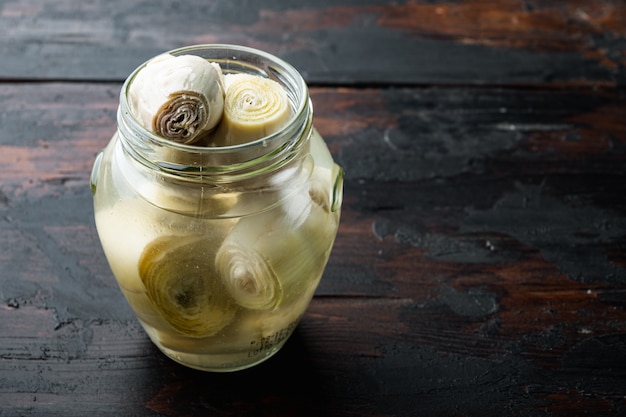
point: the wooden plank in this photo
(348, 357)
(350, 42)
(479, 265)
(450, 174)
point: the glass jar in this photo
(219, 250)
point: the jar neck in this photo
(224, 164)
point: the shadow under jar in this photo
(219, 250)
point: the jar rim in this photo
(231, 58)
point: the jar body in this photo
(218, 269)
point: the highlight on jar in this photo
(217, 203)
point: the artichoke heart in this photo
(249, 277)
(254, 107)
(179, 277)
(266, 264)
(179, 98)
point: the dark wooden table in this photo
(480, 267)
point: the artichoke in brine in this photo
(248, 276)
(178, 273)
(254, 107)
(266, 263)
(178, 97)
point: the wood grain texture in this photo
(480, 265)
(479, 268)
(345, 42)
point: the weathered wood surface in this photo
(480, 267)
(486, 276)
(367, 41)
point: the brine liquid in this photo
(297, 253)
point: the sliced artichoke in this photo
(254, 107)
(265, 264)
(178, 273)
(179, 98)
(249, 278)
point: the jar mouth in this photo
(160, 153)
